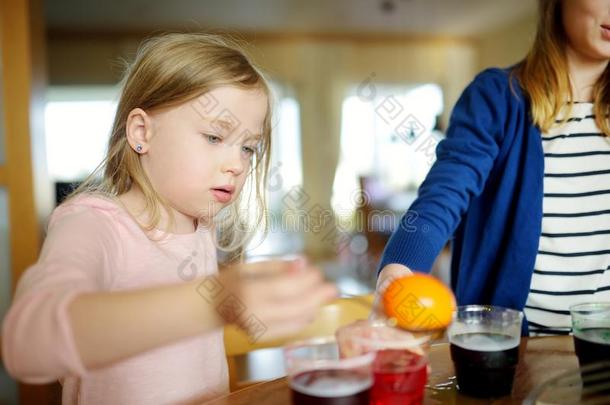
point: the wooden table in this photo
(540, 359)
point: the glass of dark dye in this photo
(591, 331)
(484, 344)
(318, 375)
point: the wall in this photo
(506, 45)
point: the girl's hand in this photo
(276, 297)
(388, 274)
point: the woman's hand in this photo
(388, 274)
(279, 297)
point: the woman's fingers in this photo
(388, 274)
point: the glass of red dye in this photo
(400, 368)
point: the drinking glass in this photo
(318, 375)
(591, 331)
(400, 369)
(484, 344)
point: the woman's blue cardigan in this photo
(485, 189)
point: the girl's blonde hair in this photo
(169, 70)
(544, 73)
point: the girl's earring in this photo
(138, 148)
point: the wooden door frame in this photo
(22, 46)
(16, 175)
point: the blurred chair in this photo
(250, 362)
(372, 200)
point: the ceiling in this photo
(426, 17)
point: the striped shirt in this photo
(573, 261)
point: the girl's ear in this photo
(139, 130)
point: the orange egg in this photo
(419, 302)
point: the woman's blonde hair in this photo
(544, 73)
(169, 70)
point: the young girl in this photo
(522, 179)
(125, 305)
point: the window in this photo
(285, 173)
(388, 138)
(286, 170)
(78, 120)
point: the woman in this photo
(522, 180)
